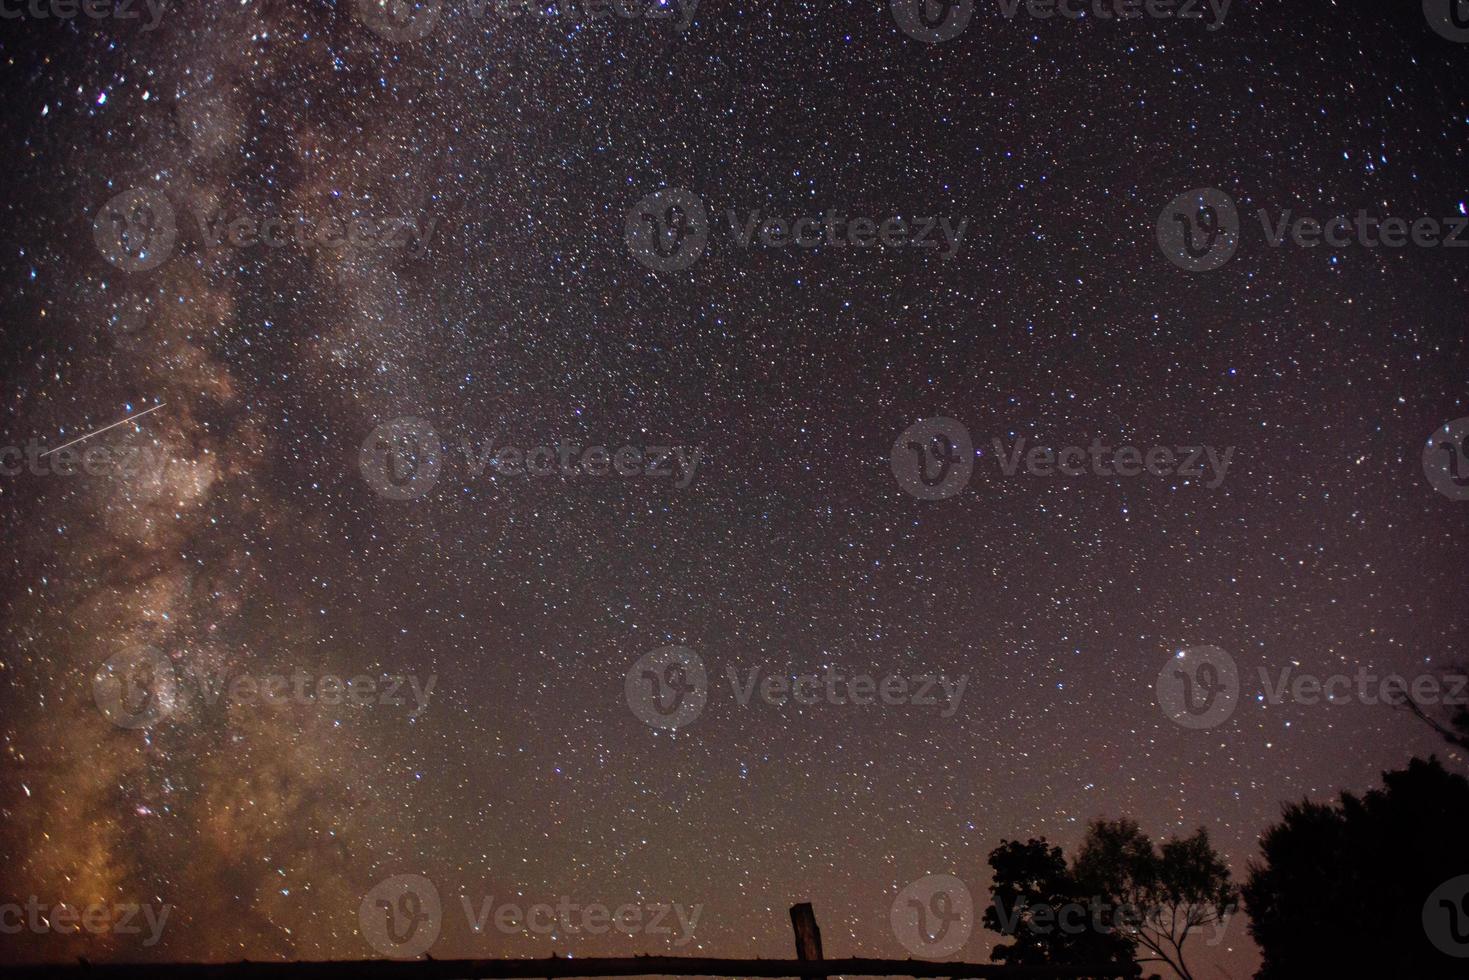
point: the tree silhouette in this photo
(1036, 903)
(1343, 887)
(1157, 897)
(1454, 729)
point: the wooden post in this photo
(808, 934)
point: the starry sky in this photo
(250, 541)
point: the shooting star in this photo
(94, 432)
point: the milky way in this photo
(447, 230)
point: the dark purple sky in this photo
(248, 539)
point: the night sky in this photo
(253, 535)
